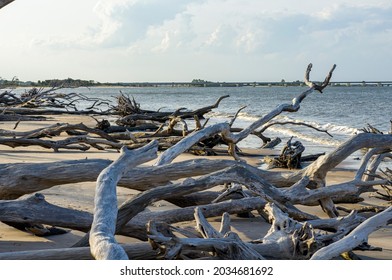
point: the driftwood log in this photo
(358, 236)
(102, 241)
(290, 156)
(133, 113)
(294, 234)
(42, 212)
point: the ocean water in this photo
(342, 111)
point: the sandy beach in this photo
(80, 195)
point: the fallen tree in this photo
(191, 185)
(131, 112)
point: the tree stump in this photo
(290, 157)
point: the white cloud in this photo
(213, 34)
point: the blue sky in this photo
(179, 40)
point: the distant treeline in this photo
(73, 83)
(69, 83)
(15, 82)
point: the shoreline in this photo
(80, 195)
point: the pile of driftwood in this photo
(275, 195)
(35, 103)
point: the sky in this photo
(182, 40)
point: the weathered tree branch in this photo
(358, 236)
(102, 241)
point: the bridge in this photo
(362, 83)
(251, 84)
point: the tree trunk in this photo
(102, 242)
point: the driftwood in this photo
(269, 249)
(34, 209)
(42, 212)
(135, 114)
(224, 244)
(294, 234)
(45, 111)
(33, 138)
(199, 145)
(46, 175)
(81, 143)
(134, 251)
(286, 239)
(102, 242)
(290, 156)
(15, 117)
(46, 98)
(358, 236)
(297, 194)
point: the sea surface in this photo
(341, 110)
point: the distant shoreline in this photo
(209, 84)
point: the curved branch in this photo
(293, 107)
(315, 86)
(322, 165)
(236, 115)
(265, 127)
(356, 237)
(365, 161)
(170, 154)
(102, 241)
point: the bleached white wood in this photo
(102, 242)
(358, 236)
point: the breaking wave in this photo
(339, 132)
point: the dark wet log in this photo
(272, 143)
(290, 157)
(311, 157)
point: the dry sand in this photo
(80, 196)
